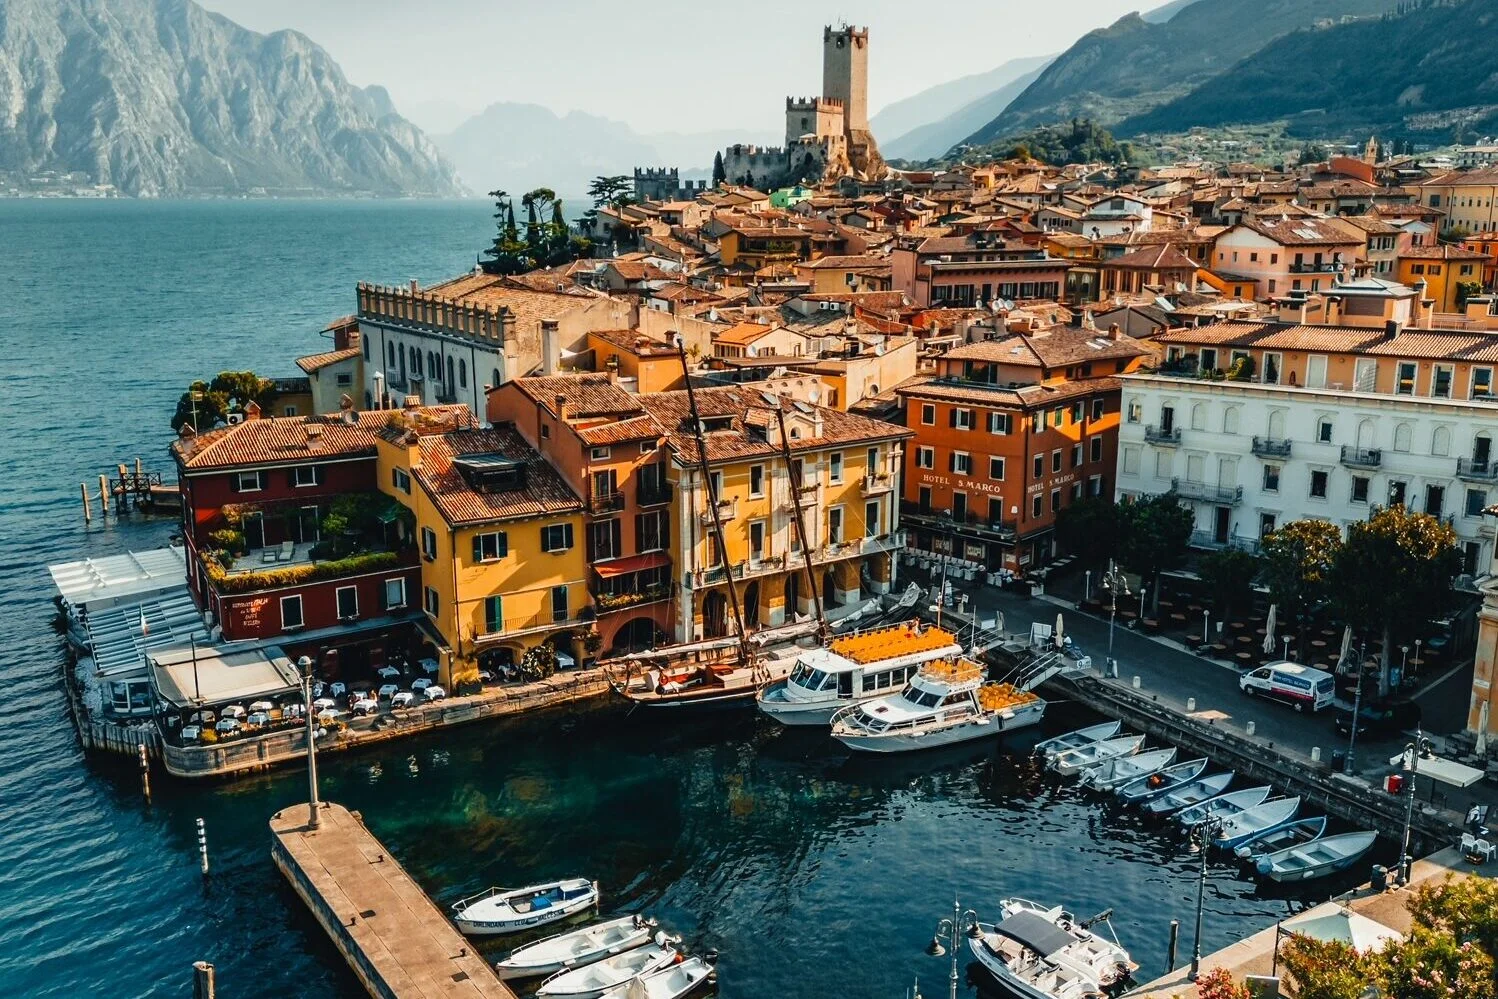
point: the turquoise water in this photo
(811, 873)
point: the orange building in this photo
(1008, 433)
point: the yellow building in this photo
(501, 541)
(847, 468)
(1443, 269)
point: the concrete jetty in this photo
(393, 936)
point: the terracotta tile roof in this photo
(742, 334)
(1414, 344)
(1442, 251)
(527, 304)
(1058, 347)
(1164, 257)
(618, 431)
(545, 492)
(634, 342)
(1301, 232)
(1026, 397)
(834, 261)
(298, 440)
(586, 394)
(670, 410)
(314, 362)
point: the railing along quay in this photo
(1257, 759)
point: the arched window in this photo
(415, 362)
(1440, 442)
(1277, 424)
(449, 371)
(366, 349)
(462, 373)
(1230, 420)
(495, 383)
(1402, 437)
(392, 354)
(1198, 417)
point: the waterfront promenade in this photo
(396, 940)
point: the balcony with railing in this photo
(1168, 436)
(1218, 495)
(1362, 457)
(878, 483)
(727, 510)
(1316, 267)
(611, 502)
(1210, 541)
(943, 520)
(1271, 447)
(834, 551)
(1477, 469)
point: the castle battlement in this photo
(656, 173)
(813, 104)
(847, 32)
(749, 149)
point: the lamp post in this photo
(1404, 662)
(1286, 640)
(1357, 707)
(1418, 643)
(1201, 836)
(1116, 583)
(1411, 763)
(305, 665)
(961, 921)
(1206, 626)
(1086, 586)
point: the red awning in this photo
(634, 563)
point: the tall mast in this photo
(712, 501)
(794, 475)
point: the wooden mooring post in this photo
(145, 771)
(104, 493)
(88, 513)
(202, 980)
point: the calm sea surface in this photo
(812, 873)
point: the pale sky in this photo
(666, 65)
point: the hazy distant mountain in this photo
(1134, 66)
(523, 146)
(893, 125)
(161, 97)
(937, 137)
(1162, 14)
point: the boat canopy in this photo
(1035, 932)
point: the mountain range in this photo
(925, 124)
(163, 98)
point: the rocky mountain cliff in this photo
(924, 123)
(163, 98)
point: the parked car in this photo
(403, 699)
(434, 693)
(227, 726)
(1299, 686)
(258, 718)
(1380, 719)
(388, 691)
(365, 705)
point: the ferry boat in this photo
(946, 702)
(853, 669)
(1035, 952)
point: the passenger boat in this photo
(1117, 772)
(1263, 817)
(592, 980)
(1079, 758)
(1224, 806)
(1151, 786)
(1189, 794)
(1317, 858)
(1077, 739)
(1038, 953)
(1295, 833)
(670, 982)
(945, 702)
(576, 947)
(510, 910)
(852, 669)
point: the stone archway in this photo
(751, 605)
(635, 635)
(792, 596)
(714, 615)
(829, 589)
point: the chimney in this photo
(1114, 333)
(551, 351)
(414, 286)
(1392, 327)
(252, 411)
(562, 412)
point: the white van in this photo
(1299, 686)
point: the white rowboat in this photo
(507, 910)
(1075, 740)
(1317, 858)
(1151, 786)
(576, 947)
(1075, 760)
(670, 982)
(1117, 772)
(1186, 795)
(1250, 822)
(592, 980)
(1291, 834)
(1224, 806)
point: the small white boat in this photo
(1263, 817)
(1192, 793)
(592, 980)
(1295, 833)
(945, 702)
(854, 668)
(1317, 858)
(510, 910)
(1075, 740)
(1038, 953)
(576, 947)
(670, 982)
(1079, 758)
(1224, 806)
(1151, 786)
(1117, 772)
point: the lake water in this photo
(812, 873)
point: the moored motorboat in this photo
(1079, 758)
(945, 702)
(1191, 793)
(1115, 773)
(1317, 858)
(576, 947)
(1151, 786)
(1223, 806)
(1290, 834)
(1078, 738)
(510, 910)
(854, 668)
(670, 982)
(1035, 952)
(592, 980)
(1263, 817)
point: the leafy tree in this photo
(1156, 532)
(1229, 575)
(1090, 529)
(1218, 984)
(1467, 908)
(1393, 577)
(1019, 152)
(507, 254)
(615, 191)
(228, 391)
(1324, 969)
(539, 662)
(720, 174)
(1297, 562)
(1429, 964)
(1466, 290)
(1312, 152)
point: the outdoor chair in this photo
(288, 551)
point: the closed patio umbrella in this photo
(1481, 749)
(1269, 629)
(1346, 646)
(1057, 636)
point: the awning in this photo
(1443, 770)
(634, 563)
(1035, 932)
(392, 511)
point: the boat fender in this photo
(711, 956)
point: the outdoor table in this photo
(1236, 625)
(1219, 647)
(1317, 643)
(1178, 616)
(1245, 656)
(1246, 639)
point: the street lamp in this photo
(1201, 837)
(962, 921)
(1086, 585)
(305, 665)
(1357, 707)
(1286, 640)
(1411, 762)
(1206, 625)
(1116, 583)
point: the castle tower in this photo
(845, 73)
